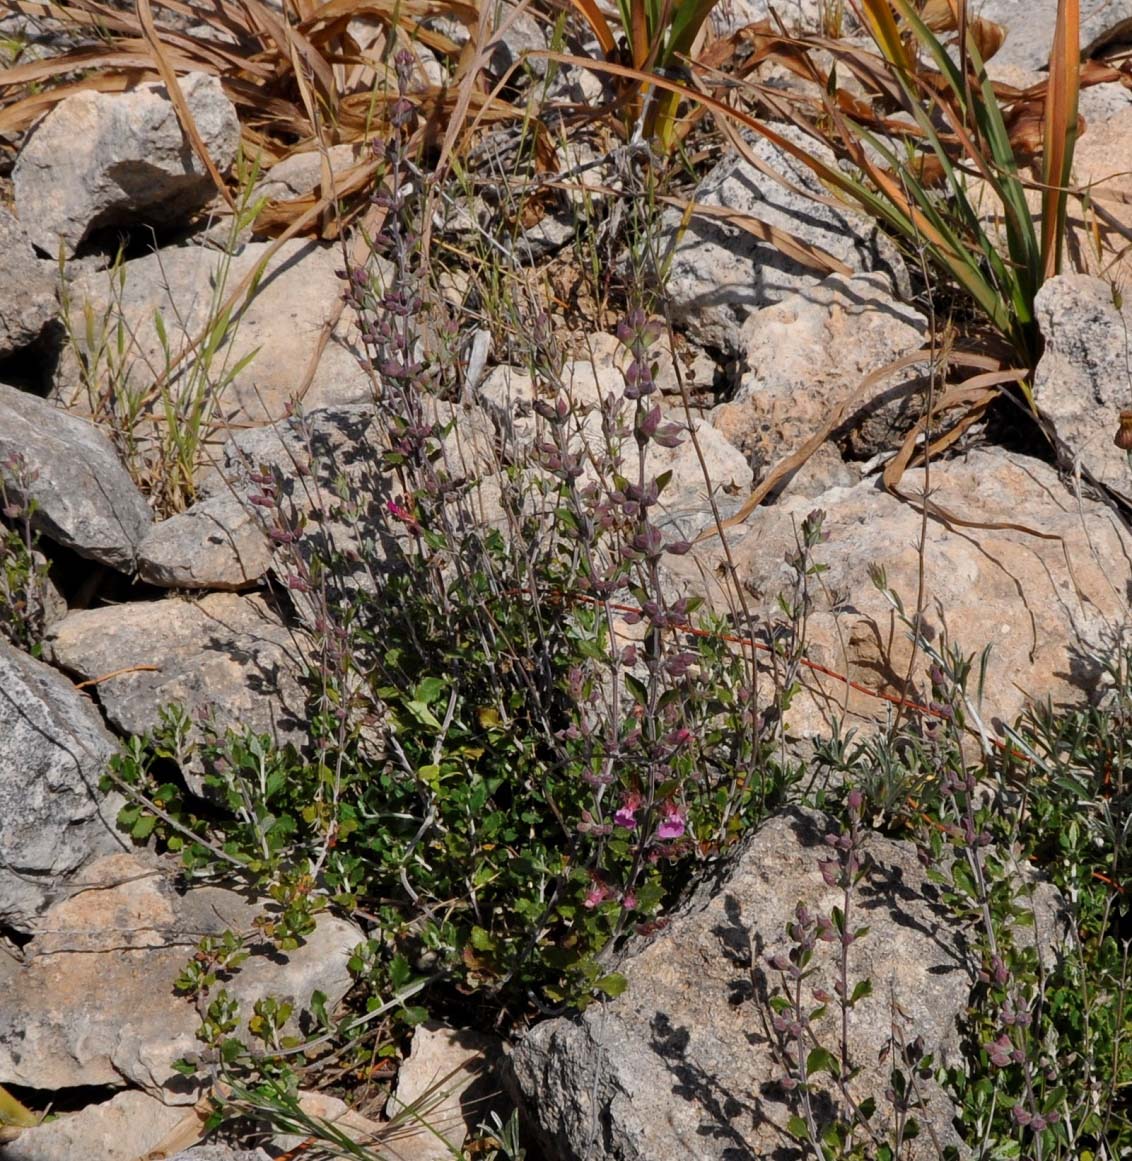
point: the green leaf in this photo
(637, 689)
(613, 984)
(821, 1060)
(423, 714)
(143, 828)
(862, 989)
(429, 689)
(796, 1127)
(483, 940)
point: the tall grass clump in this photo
(925, 143)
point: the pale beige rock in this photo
(449, 1079)
(225, 655)
(1048, 608)
(809, 354)
(1102, 164)
(697, 369)
(93, 1001)
(323, 1107)
(1084, 379)
(123, 1128)
(509, 393)
(282, 325)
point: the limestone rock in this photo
(101, 159)
(53, 817)
(278, 330)
(449, 1075)
(221, 542)
(686, 1064)
(1030, 27)
(297, 175)
(1048, 606)
(808, 354)
(509, 392)
(220, 1152)
(720, 274)
(1084, 378)
(123, 1128)
(1102, 164)
(225, 656)
(83, 496)
(27, 288)
(74, 1013)
(218, 543)
(697, 369)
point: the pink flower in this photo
(598, 893)
(626, 815)
(399, 512)
(672, 824)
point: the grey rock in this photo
(519, 34)
(84, 498)
(27, 288)
(123, 1128)
(100, 159)
(685, 1063)
(803, 16)
(221, 542)
(1030, 28)
(220, 1152)
(1084, 378)
(516, 31)
(327, 481)
(53, 817)
(720, 274)
(218, 543)
(74, 1013)
(278, 329)
(299, 174)
(226, 657)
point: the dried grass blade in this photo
(599, 26)
(289, 39)
(961, 396)
(804, 253)
(882, 22)
(791, 464)
(1060, 131)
